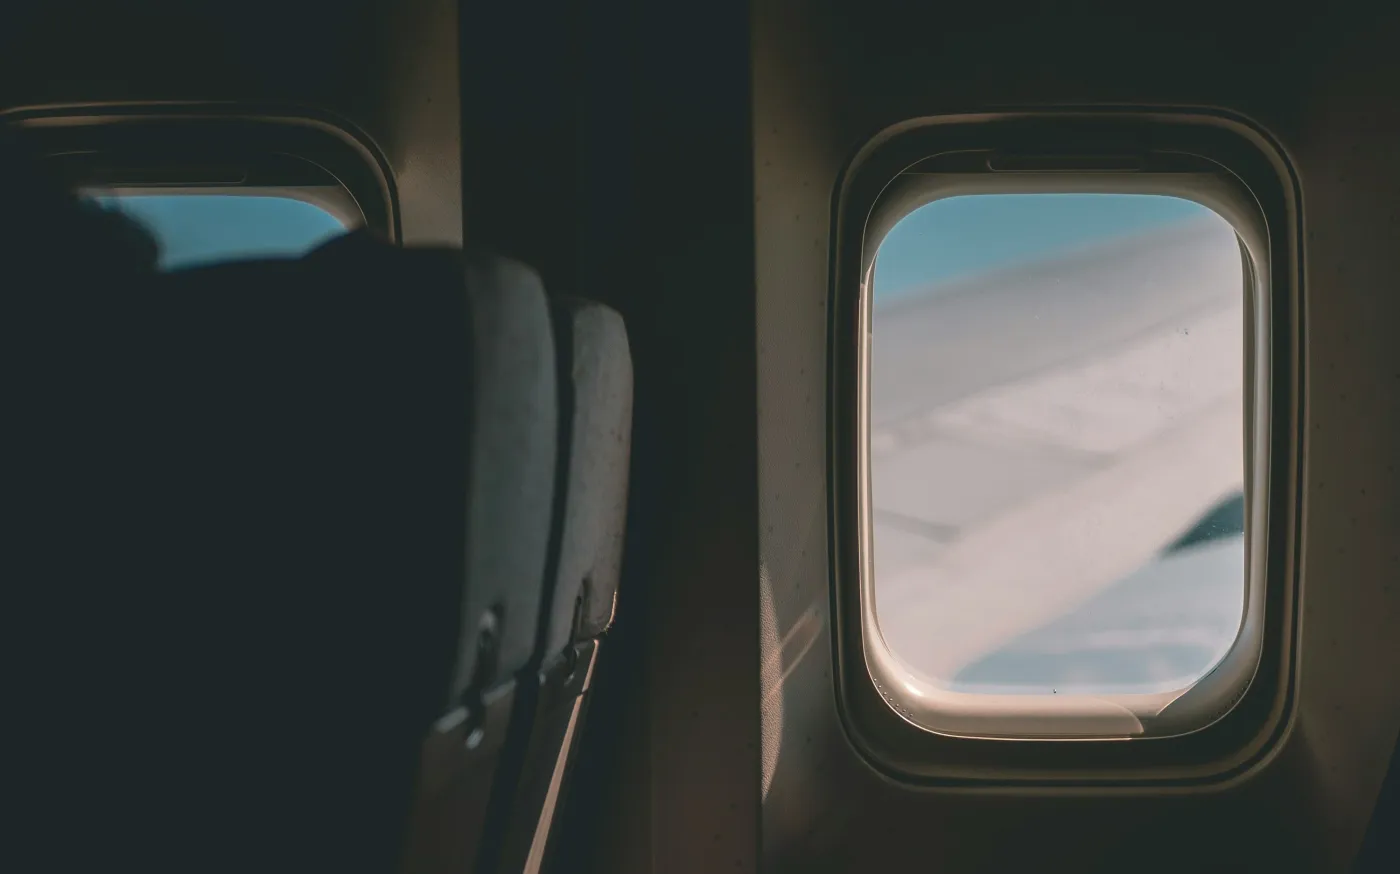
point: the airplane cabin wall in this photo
(388, 68)
(830, 75)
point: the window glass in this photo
(198, 228)
(1057, 443)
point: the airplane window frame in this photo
(218, 148)
(1032, 716)
(1228, 719)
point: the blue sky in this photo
(194, 228)
(962, 236)
(948, 239)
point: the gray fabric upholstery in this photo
(512, 457)
(599, 451)
(596, 407)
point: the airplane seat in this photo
(297, 524)
(351, 485)
(487, 533)
(451, 472)
(596, 420)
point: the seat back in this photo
(595, 431)
(510, 486)
(385, 424)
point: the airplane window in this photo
(198, 228)
(1057, 443)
